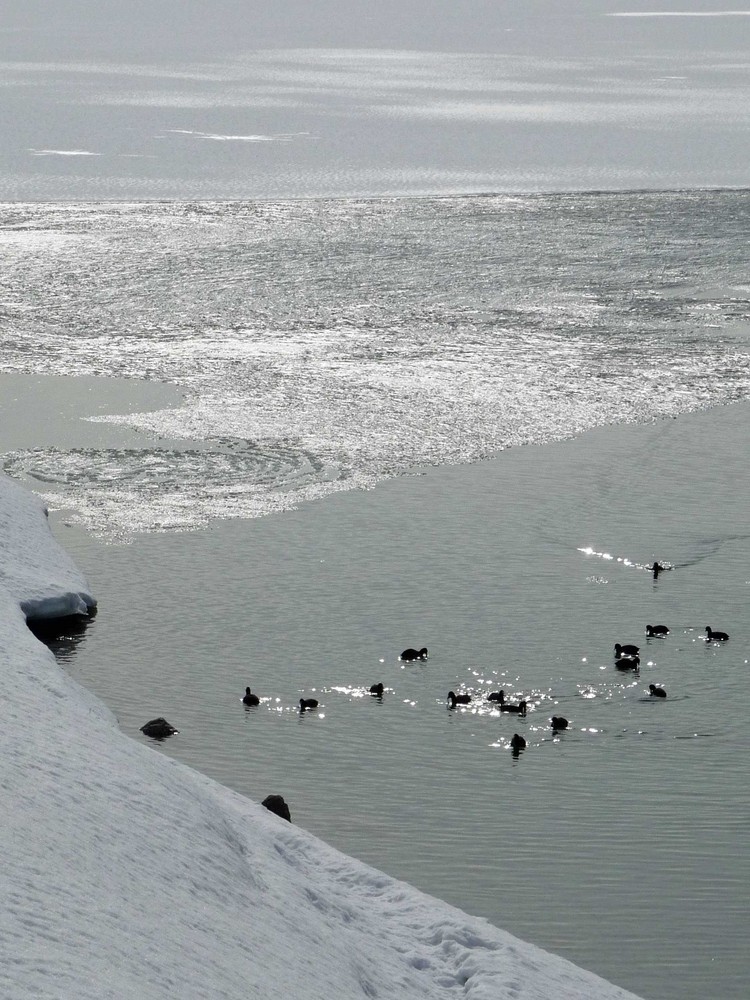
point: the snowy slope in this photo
(126, 874)
(32, 567)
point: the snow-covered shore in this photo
(126, 874)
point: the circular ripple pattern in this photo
(126, 490)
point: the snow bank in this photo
(32, 567)
(125, 874)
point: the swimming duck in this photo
(414, 654)
(627, 650)
(250, 698)
(656, 569)
(377, 689)
(519, 709)
(158, 729)
(656, 692)
(712, 636)
(496, 696)
(652, 630)
(628, 663)
(458, 699)
(558, 723)
(517, 743)
(307, 703)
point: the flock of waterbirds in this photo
(627, 657)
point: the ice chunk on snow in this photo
(33, 569)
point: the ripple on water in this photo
(120, 491)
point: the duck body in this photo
(458, 699)
(306, 704)
(158, 729)
(250, 699)
(626, 650)
(558, 723)
(519, 709)
(496, 696)
(517, 743)
(712, 636)
(656, 692)
(377, 690)
(654, 630)
(414, 654)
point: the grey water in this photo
(344, 354)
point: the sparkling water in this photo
(327, 344)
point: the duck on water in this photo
(626, 650)
(158, 729)
(249, 698)
(519, 709)
(712, 636)
(414, 654)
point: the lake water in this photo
(622, 843)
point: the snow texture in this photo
(126, 874)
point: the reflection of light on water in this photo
(623, 560)
(353, 692)
(592, 552)
(505, 745)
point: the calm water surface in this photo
(622, 843)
